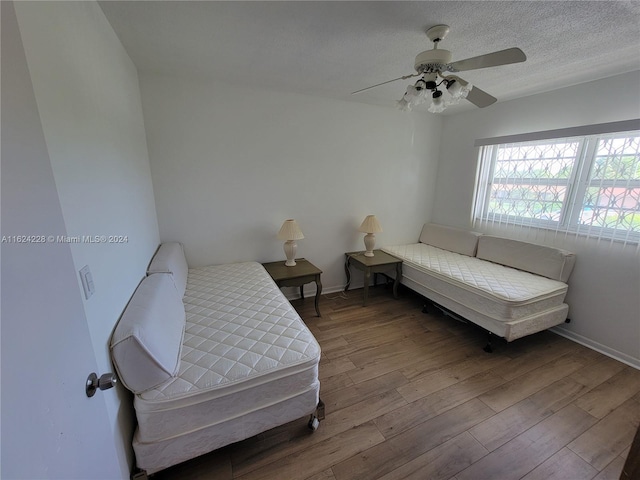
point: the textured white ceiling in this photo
(333, 48)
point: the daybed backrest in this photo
(546, 261)
(170, 259)
(146, 343)
(450, 238)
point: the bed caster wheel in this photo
(314, 423)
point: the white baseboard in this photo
(598, 347)
(293, 293)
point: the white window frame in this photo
(577, 184)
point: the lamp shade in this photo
(290, 231)
(370, 225)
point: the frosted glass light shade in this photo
(370, 225)
(437, 106)
(403, 105)
(458, 90)
(290, 231)
(414, 96)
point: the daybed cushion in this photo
(147, 342)
(450, 238)
(170, 259)
(546, 261)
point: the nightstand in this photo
(380, 262)
(297, 276)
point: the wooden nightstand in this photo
(380, 262)
(297, 276)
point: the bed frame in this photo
(213, 355)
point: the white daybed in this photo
(510, 288)
(213, 356)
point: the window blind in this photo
(585, 186)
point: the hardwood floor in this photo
(413, 396)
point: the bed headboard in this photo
(170, 259)
(549, 262)
(450, 238)
(147, 341)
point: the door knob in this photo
(106, 381)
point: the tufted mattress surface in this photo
(497, 291)
(244, 348)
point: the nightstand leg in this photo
(318, 292)
(348, 272)
(367, 279)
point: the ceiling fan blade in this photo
(383, 83)
(503, 57)
(480, 98)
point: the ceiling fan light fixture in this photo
(458, 89)
(437, 103)
(435, 68)
(403, 105)
(429, 80)
(436, 108)
(414, 95)
(412, 92)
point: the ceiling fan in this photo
(435, 68)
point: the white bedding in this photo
(248, 364)
(491, 289)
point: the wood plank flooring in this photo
(413, 396)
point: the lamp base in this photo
(369, 243)
(290, 247)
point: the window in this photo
(588, 185)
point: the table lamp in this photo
(370, 225)
(290, 231)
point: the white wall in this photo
(87, 93)
(229, 167)
(604, 289)
(46, 349)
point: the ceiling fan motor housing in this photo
(429, 61)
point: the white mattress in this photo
(499, 292)
(245, 351)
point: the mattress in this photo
(495, 291)
(245, 353)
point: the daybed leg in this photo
(140, 475)
(320, 409)
(313, 422)
(488, 347)
(318, 415)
